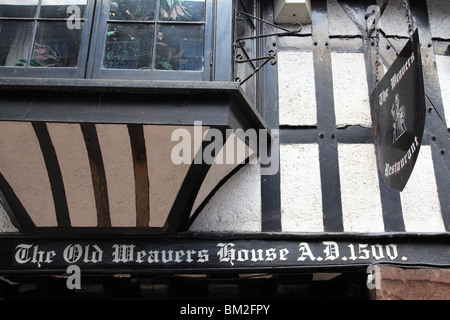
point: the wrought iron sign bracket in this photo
(286, 32)
(271, 54)
(271, 57)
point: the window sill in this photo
(215, 103)
(116, 85)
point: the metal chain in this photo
(371, 25)
(377, 50)
(408, 18)
(377, 39)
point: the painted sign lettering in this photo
(190, 254)
(398, 102)
(225, 254)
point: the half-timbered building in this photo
(221, 148)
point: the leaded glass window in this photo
(156, 36)
(42, 33)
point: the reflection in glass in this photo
(128, 46)
(181, 10)
(136, 10)
(16, 9)
(59, 8)
(179, 48)
(56, 45)
(15, 42)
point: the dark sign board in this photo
(191, 255)
(398, 102)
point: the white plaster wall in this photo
(236, 207)
(229, 157)
(73, 160)
(393, 21)
(360, 192)
(339, 22)
(165, 177)
(439, 14)
(420, 202)
(296, 87)
(21, 156)
(351, 94)
(118, 161)
(443, 68)
(301, 194)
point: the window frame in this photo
(53, 72)
(219, 51)
(94, 67)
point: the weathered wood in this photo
(194, 254)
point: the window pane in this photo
(182, 10)
(56, 45)
(136, 10)
(179, 48)
(128, 46)
(18, 8)
(62, 8)
(15, 43)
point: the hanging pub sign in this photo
(398, 102)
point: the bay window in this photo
(134, 39)
(176, 40)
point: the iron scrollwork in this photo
(271, 54)
(271, 57)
